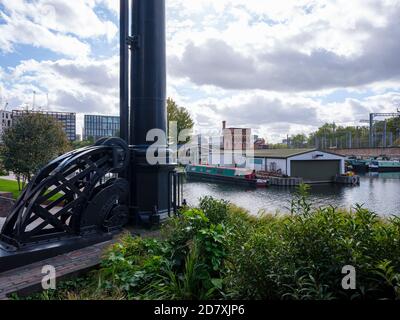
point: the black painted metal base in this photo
(153, 189)
(10, 259)
(152, 219)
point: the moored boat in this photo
(262, 183)
(359, 165)
(241, 176)
(385, 165)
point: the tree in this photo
(298, 141)
(392, 129)
(84, 143)
(180, 115)
(32, 141)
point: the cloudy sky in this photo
(280, 67)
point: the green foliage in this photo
(81, 144)
(179, 115)
(386, 271)
(186, 265)
(72, 289)
(300, 202)
(215, 210)
(192, 283)
(298, 141)
(32, 141)
(131, 265)
(332, 132)
(219, 251)
(301, 256)
(332, 135)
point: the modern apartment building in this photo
(67, 119)
(5, 121)
(97, 126)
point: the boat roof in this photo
(285, 153)
(219, 167)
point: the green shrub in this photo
(215, 210)
(185, 265)
(220, 251)
(301, 256)
(131, 265)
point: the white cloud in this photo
(332, 46)
(270, 65)
(83, 86)
(19, 30)
(222, 51)
(55, 25)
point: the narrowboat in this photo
(240, 176)
(359, 165)
(385, 165)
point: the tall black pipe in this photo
(148, 73)
(149, 184)
(124, 70)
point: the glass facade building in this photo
(97, 127)
(67, 119)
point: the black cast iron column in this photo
(149, 183)
(148, 78)
(124, 70)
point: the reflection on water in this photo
(379, 192)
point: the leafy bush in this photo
(301, 256)
(131, 265)
(220, 251)
(215, 210)
(186, 265)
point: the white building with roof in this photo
(314, 166)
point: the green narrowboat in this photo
(359, 165)
(222, 174)
(385, 165)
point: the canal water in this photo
(379, 192)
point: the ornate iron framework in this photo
(73, 195)
(82, 197)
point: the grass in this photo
(12, 186)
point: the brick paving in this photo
(6, 203)
(27, 279)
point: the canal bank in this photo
(378, 191)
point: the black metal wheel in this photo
(70, 196)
